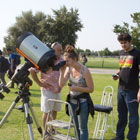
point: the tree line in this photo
(63, 26)
(104, 52)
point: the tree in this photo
(115, 53)
(134, 31)
(78, 50)
(87, 50)
(25, 23)
(105, 52)
(61, 27)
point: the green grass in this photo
(98, 62)
(15, 126)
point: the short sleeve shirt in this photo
(11, 56)
(51, 78)
(129, 69)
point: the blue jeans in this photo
(124, 107)
(81, 120)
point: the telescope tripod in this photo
(24, 94)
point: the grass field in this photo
(15, 128)
(102, 62)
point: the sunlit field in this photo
(15, 127)
(102, 62)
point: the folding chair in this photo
(104, 110)
(62, 124)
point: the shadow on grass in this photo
(35, 90)
(35, 95)
(6, 100)
(2, 113)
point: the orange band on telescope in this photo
(22, 54)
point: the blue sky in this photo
(97, 16)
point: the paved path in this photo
(103, 71)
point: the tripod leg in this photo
(36, 121)
(7, 114)
(8, 83)
(29, 120)
(9, 111)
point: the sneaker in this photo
(48, 136)
(117, 138)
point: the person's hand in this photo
(59, 90)
(115, 77)
(62, 69)
(41, 84)
(72, 87)
(138, 97)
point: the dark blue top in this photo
(1, 59)
(12, 56)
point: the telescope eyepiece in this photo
(59, 65)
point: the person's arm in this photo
(138, 96)
(35, 77)
(89, 82)
(64, 75)
(12, 65)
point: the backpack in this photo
(5, 64)
(17, 59)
